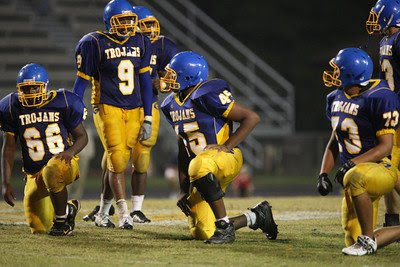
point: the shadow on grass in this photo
(167, 236)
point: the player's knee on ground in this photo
(118, 160)
(200, 233)
(209, 188)
(141, 158)
(57, 174)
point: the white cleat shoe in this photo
(126, 223)
(102, 220)
(365, 245)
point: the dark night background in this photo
(298, 38)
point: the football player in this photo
(117, 62)
(364, 114)
(201, 112)
(42, 121)
(384, 18)
(162, 51)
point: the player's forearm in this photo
(373, 155)
(146, 92)
(245, 128)
(7, 162)
(80, 86)
(330, 155)
(80, 139)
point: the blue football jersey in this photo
(358, 120)
(42, 131)
(389, 59)
(113, 66)
(200, 119)
(163, 50)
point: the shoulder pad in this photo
(211, 86)
(167, 100)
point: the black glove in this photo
(183, 204)
(324, 185)
(342, 171)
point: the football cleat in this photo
(126, 223)
(265, 220)
(73, 207)
(224, 233)
(61, 229)
(91, 215)
(139, 217)
(102, 220)
(365, 245)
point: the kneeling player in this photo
(364, 114)
(42, 121)
(201, 112)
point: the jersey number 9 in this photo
(126, 73)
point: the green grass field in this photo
(310, 234)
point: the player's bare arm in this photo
(184, 181)
(7, 163)
(80, 141)
(247, 118)
(330, 155)
(377, 153)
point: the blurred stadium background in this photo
(271, 52)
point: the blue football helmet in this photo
(185, 69)
(32, 81)
(119, 18)
(148, 24)
(351, 66)
(384, 14)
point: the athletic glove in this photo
(342, 171)
(145, 130)
(324, 185)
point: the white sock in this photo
(62, 217)
(105, 205)
(137, 202)
(122, 208)
(226, 219)
(251, 218)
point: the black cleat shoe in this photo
(73, 207)
(91, 216)
(391, 220)
(224, 233)
(139, 217)
(61, 229)
(265, 220)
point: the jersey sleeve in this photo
(87, 57)
(169, 51)
(164, 108)
(217, 101)
(75, 113)
(385, 113)
(145, 62)
(329, 100)
(6, 119)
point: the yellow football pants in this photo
(54, 176)
(141, 151)
(377, 179)
(225, 167)
(118, 130)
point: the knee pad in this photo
(119, 160)
(55, 175)
(141, 158)
(209, 188)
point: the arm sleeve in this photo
(6, 122)
(217, 102)
(385, 113)
(329, 100)
(146, 88)
(80, 86)
(164, 110)
(75, 113)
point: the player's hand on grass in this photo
(324, 185)
(343, 170)
(8, 195)
(220, 148)
(65, 156)
(183, 204)
(145, 130)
